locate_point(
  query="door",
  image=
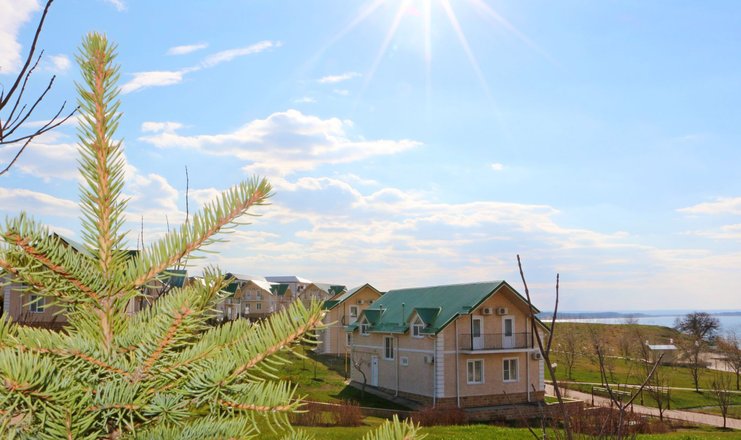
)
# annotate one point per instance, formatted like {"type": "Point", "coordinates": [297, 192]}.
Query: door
{"type": "Point", "coordinates": [508, 332]}
{"type": "Point", "coordinates": [374, 371]}
{"type": "Point", "coordinates": [477, 333]}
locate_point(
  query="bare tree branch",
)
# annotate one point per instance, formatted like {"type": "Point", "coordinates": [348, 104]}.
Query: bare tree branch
{"type": "Point", "coordinates": [20, 112]}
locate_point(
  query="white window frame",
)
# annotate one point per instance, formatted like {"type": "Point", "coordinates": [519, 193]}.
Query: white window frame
{"type": "Point", "coordinates": [348, 339]}
{"type": "Point", "coordinates": [258, 306]}
{"type": "Point", "coordinates": [417, 328]}
{"type": "Point", "coordinates": [507, 370]}
{"type": "Point", "coordinates": [364, 328]}
{"type": "Point", "coordinates": [354, 308]}
{"type": "Point", "coordinates": [388, 355]}
{"type": "Point", "coordinates": [471, 378]}
{"type": "Point", "coordinates": [404, 361]}
{"type": "Point", "coordinates": [36, 306]}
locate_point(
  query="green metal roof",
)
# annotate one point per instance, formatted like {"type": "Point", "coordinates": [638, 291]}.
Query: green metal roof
{"type": "Point", "coordinates": [279, 289]}
{"type": "Point", "coordinates": [174, 277]}
{"type": "Point", "coordinates": [437, 306]}
{"type": "Point", "coordinates": [329, 304]}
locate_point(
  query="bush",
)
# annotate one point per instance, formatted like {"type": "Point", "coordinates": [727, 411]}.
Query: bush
{"type": "Point", "coordinates": [440, 416]}
{"type": "Point", "coordinates": [327, 414]}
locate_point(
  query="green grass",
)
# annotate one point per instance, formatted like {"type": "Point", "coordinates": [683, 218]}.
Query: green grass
{"type": "Point", "coordinates": [321, 379]}
{"type": "Point", "coordinates": [482, 432]}
{"type": "Point", "coordinates": [680, 399]}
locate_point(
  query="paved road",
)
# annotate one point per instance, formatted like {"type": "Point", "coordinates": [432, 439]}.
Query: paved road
{"type": "Point", "coordinates": [622, 385]}
{"type": "Point", "coordinates": [687, 416]}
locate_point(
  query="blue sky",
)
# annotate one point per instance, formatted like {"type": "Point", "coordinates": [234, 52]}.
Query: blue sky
{"type": "Point", "coordinates": [421, 142]}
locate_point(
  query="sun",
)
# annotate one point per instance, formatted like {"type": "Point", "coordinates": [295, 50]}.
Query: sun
{"type": "Point", "coordinates": [416, 9]}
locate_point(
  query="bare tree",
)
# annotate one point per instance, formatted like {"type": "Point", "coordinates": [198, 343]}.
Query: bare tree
{"type": "Point", "coordinates": [358, 360]}
{"type": "Point", "coordinates": [15, 111]}
{"type": "Point", "coordinates": [568, 347]}
{"type": "Point", "coordinates": [545, 350]}
{"type": "Point", "coordinates": [700, 328]}
{"type": "Point", "coordinates": [657, 387]}
{"type": "Point", "coordinates": [730, 348]}
{"type": "Point", "coordinates": [721, 385]}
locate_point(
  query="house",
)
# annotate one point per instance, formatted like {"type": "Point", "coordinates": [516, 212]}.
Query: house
{"type": "Point", "coordinates": [668, 352]}
{"type": "Point", "coordinates": [253, 297]}
{"type": "Point", "coordinates": [320, 292]}
{"type": "Point", "coordinates": [462, 345]}
{"type": "Point", "coordinates": [170, 279]}
{"type": "Point", "coordinates": [341, 311]}
{"type": "Point", "coordinates": [295, 283]}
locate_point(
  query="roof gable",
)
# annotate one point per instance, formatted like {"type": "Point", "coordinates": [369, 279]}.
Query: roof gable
{"type": "Point", "coordinates": [334, 302]}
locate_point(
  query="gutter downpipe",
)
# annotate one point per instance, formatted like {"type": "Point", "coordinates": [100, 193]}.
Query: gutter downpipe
{"type": "Point", "coordinates": [457, 374]}
{"type": "Point", "coordinates": [396, 358]}
{"type": "Point", "coordinates": [434, 372]}
{"type": "Point", "coordinates": [527, 369]}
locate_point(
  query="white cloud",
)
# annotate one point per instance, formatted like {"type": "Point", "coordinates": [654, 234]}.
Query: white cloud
{"type": "Point", "coordinates": [341, 92]}
{"type": "Point", "coordinates": [13, 15]}
{"type": "Point", "coordinates": [228, 55]}
{"type": "Point", "coordinates": [160, 126]}
{"type": "Point", "coordinates": [18, 199]}
{"type": "Point", "coordinates": [59, 63]}
{"type": "Point", "coordinates": [50, 156]}
{"type": "Point", "coordinates": [304, 100]}
{"type": "Point", "coordinates": [334, 79]}
{"type": "Point", "coordinates": [721, 205]}
{"type": "Point", "coordinates": [285, 142]}
{"type": "Point", "coordinates": [497, 166]}
{"type": "Point", "coordinates": [118, 4]}
{"type": "Point", "coordinates": [159, 78]}
{"type": "Point", "coordinates": [143, 80]}
{"type": "Point", "coordinates": [186, 49]}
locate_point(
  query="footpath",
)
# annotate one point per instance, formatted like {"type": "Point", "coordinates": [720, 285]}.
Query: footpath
{"type": "Point", "coordinates": [687, 416]}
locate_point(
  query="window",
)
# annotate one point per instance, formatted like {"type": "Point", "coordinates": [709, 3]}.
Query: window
{"type": "Point", "coordinates": [510, 370]}
{"type": "Point", "coordinates": [259, 296]}
{"type": "Point", "coordinates": [417, 328]}
{"type": "Point", "coordinates": [37, 304]}
{"type": "Point", "coordinates": [349, 339]}
{"type": "Point", "coordinates": [364, 329]}
{"type": "Point", "coordinates": [353, 311]}
{"type": "Point", "coordinates": [258, 306]}
{"type": "Point", "coordinates": [475, 371]}
{"type": "Point", "coordinates": [388, 348]}
{"type": "Point", "coordinates": [404, 361]}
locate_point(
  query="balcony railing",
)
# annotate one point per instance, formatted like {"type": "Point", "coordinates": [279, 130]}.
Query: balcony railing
{"type": "Point", "coordinates": [494, 341]}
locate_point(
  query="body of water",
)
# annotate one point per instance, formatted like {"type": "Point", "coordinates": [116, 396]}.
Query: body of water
{"type": "Point", "coordinates": [727, 322]}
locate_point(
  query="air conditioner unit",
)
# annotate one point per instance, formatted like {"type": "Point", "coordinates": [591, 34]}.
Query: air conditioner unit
{"type": "Point", "coordinates": [502, 311]}
{"type": "Point", "coordinates": [487, 311]}
{"type": "Point", "coordinates": [429, 359]}
{"type": "Point", "coordinates": [537, 355]}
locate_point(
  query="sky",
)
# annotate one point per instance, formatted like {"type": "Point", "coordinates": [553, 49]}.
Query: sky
{"type": "Point", "coordinates": [418, 142]}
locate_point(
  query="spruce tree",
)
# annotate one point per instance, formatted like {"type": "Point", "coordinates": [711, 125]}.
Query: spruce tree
{"type": "Point", "coordinates": [164, 372]}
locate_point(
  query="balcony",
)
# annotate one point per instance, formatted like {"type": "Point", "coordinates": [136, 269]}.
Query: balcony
{"type": "Point", "coordinates": [494, 342]}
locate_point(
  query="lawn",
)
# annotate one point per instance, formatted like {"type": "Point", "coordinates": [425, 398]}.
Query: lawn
{"type": "Point", "coordinates": [476, 432]}
{"type": "Point", "coordinates": [321, 379]}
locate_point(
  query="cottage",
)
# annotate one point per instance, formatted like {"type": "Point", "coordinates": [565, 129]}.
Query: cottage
{"type": "Point", "coordinates": [320, 292]}
{"type": "Point", "coordinates": [253, 297]}
{"type": "Point", "coordinates": [462, 345]}
{"type": "Point", "coordinates": [344, 310]}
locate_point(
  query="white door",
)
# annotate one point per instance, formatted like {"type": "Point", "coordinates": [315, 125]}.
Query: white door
{"type": "Point", "coordinates": [508, 332]}
{"type": "Point", "coordinates": [477, 333]}
{"type": "Point", "coordinates": [374, 371]}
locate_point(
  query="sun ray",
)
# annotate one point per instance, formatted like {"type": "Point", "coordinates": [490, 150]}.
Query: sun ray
{"type": "Point", "coordinates": [428, 51]}
{"type": "Point", "coordinates": [464, 43]}
{"type": "Point", "coordinates": [360, 17]}
{"type": "Point", "coordinates": [492, 15]}
{"type": "Point", "coordinates": [386, 42]}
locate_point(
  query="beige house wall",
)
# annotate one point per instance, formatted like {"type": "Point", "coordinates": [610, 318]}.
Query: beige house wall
{"type": "Point", "coordinates": [334, 337]}
{"type": "Point", "coordinates": [16, 307]}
